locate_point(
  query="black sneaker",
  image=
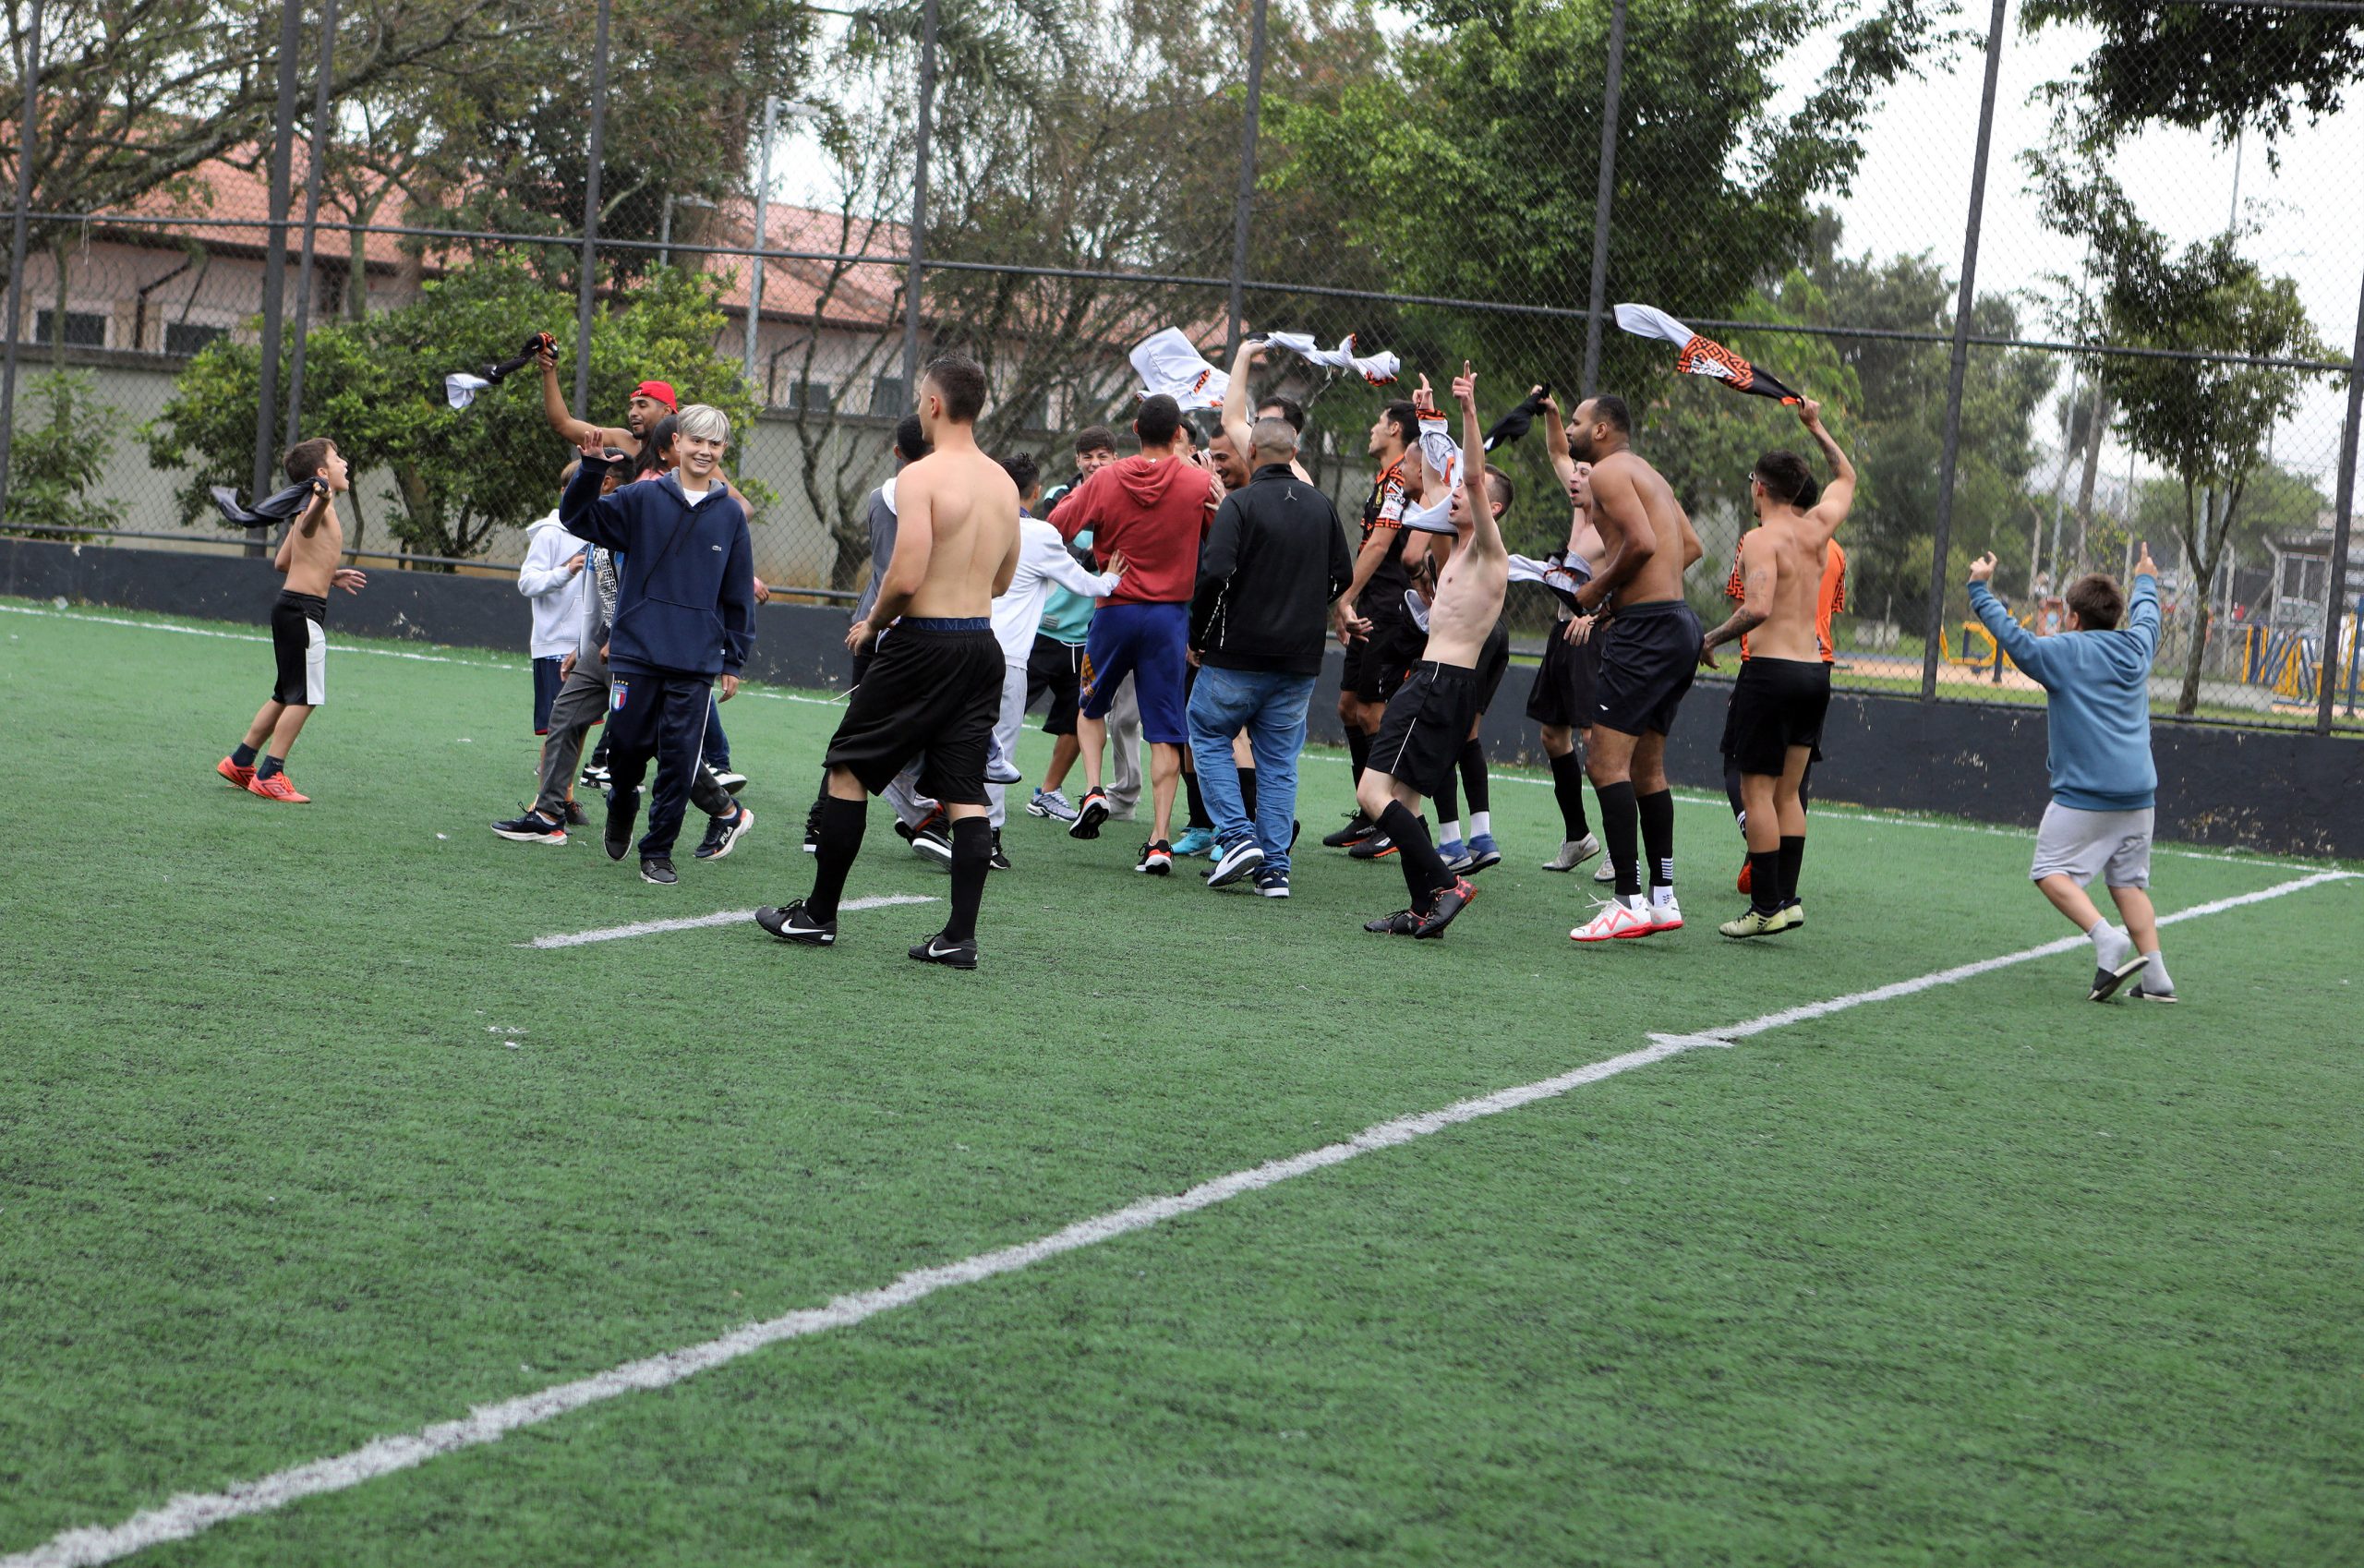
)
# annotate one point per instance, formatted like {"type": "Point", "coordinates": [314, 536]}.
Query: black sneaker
{"type": "Point", "coordinates": [1157, 859]}
{"type": "Point", "coordinates": [1273, 883]}
{"type": "Point", "coordinates": [1403, 922]}
{"type": "Point", "coordinates": [813, 829]}
{"type": "Point", "coordinates": [951, 955]}
{"type": "Point", "coordinates": [723, 833]}
{"type": "Point", "coordinates": [623, 810]}
{"type": "Point", "coordinates": [575, 816]}
{"type": "Point", "coordinates": [1449, 902]}
{"type": "Point", "coordinates": [658, 869]}
{"type": "Point", "coordinates": [932, 843]}
{"type": "Point", "coordinates": [1237, 860]}
{"type": "Point", "coordinates": [733, 782]}
{"type": "Point", "coordinates": [790, 924]}
{"type": "Point", "coordinates": [1358, 828]}
{"type": "Point", "coordinates": [1088, 816]}
{"type": "Point", "coordinates": [531, 828]}
{"type": "Point", "coordinates": [997, 860]}
{"type": "Point", "coordinates": [1377, 847]}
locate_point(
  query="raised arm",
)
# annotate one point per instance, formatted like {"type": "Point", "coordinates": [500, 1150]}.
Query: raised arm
{"type": "Point", "coordinates": [1234, 396]}
{"type": "Point", "coordinates": [577, 432]}
{"type": "Point", "coordinates": [1487, 536]}
{"type": "Point", "coordinates": [315, 509]}
{"type": "Point", "coordinates": [2025, 648]}
{"type": "Point", "coordinates": [1840, 493]}
{"type": "Point", "coordinates": [1555, 442]}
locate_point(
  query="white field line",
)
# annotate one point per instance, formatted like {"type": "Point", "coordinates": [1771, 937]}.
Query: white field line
{"type": "Point", "coordinates": [338, 647]}
{"type": "Point", "coordinates": [694, 922]}
{"type": "Point", "coordinates": [190, 1513]}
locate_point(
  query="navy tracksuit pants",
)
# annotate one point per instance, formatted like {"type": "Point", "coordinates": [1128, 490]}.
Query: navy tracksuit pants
{"type": "Point", "coordinates": [660, 713]}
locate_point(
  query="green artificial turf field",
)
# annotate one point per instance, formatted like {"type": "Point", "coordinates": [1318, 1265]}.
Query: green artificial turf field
{"type": "Point", "coordinates": [303, 1145]}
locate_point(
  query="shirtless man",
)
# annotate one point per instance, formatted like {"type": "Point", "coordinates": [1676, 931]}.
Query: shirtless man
{"type": "Point", "coordinates": [934, 689]}
{"type": "Point", "coordinates": [1784, 687]}
{"type": "Point", "coordinates": [1235, 424]}
{"type": "Point", "coordinates": [1420, 735]}
{"type": "Point", "coordinates": [307, 557]}
{"type": "Point", "coordinates": [1647, 658]}
{"type": "Point", "coordinates": [1561, 700]}
{"type": "Point", "coordinates": [650, 402]}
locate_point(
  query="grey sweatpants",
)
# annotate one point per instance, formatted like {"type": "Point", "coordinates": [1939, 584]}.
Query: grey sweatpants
{"type": "Point", "coordinates": [1125, 752]}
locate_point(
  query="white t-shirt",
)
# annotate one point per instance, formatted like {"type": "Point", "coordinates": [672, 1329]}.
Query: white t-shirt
{"type": "Point", "coordinates": [1043, 560]}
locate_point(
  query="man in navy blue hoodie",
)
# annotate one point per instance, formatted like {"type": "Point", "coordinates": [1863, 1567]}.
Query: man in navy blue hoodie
{"type": "Point", "coordinates": [685, 618]}
{"type": "Point", "coordinates": [2097, 677]}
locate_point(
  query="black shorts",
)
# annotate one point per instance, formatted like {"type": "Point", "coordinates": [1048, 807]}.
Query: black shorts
{"type": "Point", "coordinates": [1376, 665]}
{"type": "Point", "coordinates": [1056, 668]}
{"type": "Point", "coordinates": [1427, 723]}
{"type": "Point", "coordinates": [1564, 683]}
{"type": "Point", "coordinates": [300, 641]}
{"type": "Point", "coordinates": [934, 691]}
{"type": "Point", "coordinates": [1647, 661]}
{"type": "Point", "coordinates": [1493, 663]}
{"type": "Point", "coordinates": [1777, 703]}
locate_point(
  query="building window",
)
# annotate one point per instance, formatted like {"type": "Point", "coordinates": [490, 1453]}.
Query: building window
{"type": "Point", "coordinates": [84, 329]}
{"type": "Point", "coordinates": [188, 337]}
{"type": "Point", "coordinates": [818, 396]}
{"type": "Point", "coordinates": [887, 398]}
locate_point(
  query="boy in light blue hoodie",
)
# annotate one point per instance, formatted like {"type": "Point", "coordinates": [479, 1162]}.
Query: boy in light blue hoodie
{"type": "Point", "coordinates": [2097, 677]}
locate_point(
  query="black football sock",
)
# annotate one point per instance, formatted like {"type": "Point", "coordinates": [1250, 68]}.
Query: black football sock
{"type": "Point", "coordinates": [1732, 792]}
{"type": "Point", "coordinates": [1794, 856]}
{"type": "Point", "coordinates": [1247, 793]}
{"type": "Point", "coordinates": [1764, 878]}
{"type": "Point", "coordinates": [1475, 786]}
{"type": "Point", "coordinates": [1448, 807]}
{"type": "Point", "coordinates": [1358, 751]}
{"type": "Point", "coordinates": [1617, 824]}
{"type": "Point", "coordinates": [242, 756]}
{"type": "Point", "coordinates": [1423, 870]}
{"type": "Point", "coordinates": [1568, 784]}
{"type": "Point", "coordinates": [973, 853]}
{"type": "Point", "coordinates": [833, 848]}
{"type": "Point", "coordinates": [269, 766]}
{"type": "Point", "coordinates": [1198, 817]}
{"type": "Point", "coordinates": [1657, 813]}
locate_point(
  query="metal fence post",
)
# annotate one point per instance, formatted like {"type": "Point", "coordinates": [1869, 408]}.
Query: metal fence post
{"type": "Point", "coordinates": [318, 156]}
{"type": "Point", "coordinates": [763, 239]}
{"type": "Point", "coordinates": [274, 266]}
{"type": "Point", "coordinates": [1239, 214]}
{"type": "Point", "coordinates": [2343, 514]}
{"type": "Point", "coordinates": [1603, 200]}
{"type": "Point", "coordinates": [27, 142]}
{"type": "Point", "coordinates": [911, 272]}
{"type": "Point", "coordinates": [1951, 452]}
{"type": "Point", "coordinates": [589, 272]}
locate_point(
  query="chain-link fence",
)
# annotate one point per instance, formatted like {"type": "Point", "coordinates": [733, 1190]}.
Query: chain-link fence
{"type": "Point", "coordinates": [2067, 278]}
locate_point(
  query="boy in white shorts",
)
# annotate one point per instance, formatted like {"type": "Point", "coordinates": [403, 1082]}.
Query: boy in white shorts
{"type": "Point", "coordinates": [2096, 678]}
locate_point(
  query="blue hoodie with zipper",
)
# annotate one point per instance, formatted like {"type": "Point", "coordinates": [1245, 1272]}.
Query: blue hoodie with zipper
{"type": "Point", "coordinates": [686, 600]}
{"type": "Point", "coordinates": [2097, 725]}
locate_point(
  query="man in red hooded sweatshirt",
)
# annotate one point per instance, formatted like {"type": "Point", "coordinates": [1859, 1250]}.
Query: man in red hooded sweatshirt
{"type": "Point", "coordinates": [1153, 510]}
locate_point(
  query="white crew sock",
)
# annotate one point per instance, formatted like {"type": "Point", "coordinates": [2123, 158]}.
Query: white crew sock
{"type": "Point", "coordinates": [2154, 978]}
{"type": "Point", "coordinates": [1481, 825]}
{"type": "Point", "coordinates": [1449, 834]}
{"type": "Point", "coordinates": [2111, 945]}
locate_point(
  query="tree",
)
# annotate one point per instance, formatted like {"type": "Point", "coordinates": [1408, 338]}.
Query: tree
{"type": "Point", "coordinates": [376, 388]}
{"type": "Point", "coordinates": [2206, 421]}
{"type": "Point", "coordinates": [52, 468]}
{"type": "Point", "coordinates": [2220, 68]}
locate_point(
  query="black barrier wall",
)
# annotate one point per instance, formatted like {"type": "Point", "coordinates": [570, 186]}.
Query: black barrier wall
{"type": "Point", "coordinates": [2272, 790]}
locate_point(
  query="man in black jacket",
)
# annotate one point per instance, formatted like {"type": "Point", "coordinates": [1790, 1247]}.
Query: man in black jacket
{"type": "Point", "coordinates": [1274, 559]}
{"type": "Point", "coordinates": [685, 620]}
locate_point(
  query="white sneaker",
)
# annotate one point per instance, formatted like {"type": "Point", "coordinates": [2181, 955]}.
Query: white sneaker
{"type": "Point", "coordinates": [1605, 873]}
{"type": "Point", "coordinates": [1667, 916]}
{"type": "Point", "coordinates": [1573, 852]}
{"type": "Point", "coordinates": [1616, 919]}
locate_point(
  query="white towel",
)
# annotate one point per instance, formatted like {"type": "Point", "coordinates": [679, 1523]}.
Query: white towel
{"type": "Point", "coordinates": [1168, 363]}
{"type": "Point", "coordinates": [459, 389]}
{"type": "Point", "coordinates": [1377, 368]}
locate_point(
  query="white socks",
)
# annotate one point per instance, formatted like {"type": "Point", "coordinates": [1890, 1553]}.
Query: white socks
{"type": "Point", "coordinates": [1481, 825]}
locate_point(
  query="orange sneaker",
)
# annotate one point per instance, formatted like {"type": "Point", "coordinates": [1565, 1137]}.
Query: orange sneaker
{"type": "Point", "coordinates": [239, 777]}
{"type": "Point", "coordinates": [275, 787]}
{"type": "Point", "coordinates": [1743, 874]}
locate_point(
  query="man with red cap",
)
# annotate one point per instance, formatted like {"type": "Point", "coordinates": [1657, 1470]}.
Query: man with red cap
{"type": "Point", "coordinates": [650, 402]}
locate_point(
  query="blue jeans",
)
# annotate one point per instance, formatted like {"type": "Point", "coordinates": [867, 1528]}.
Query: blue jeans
{"type": "Point", "coordinates": [1270, 708]}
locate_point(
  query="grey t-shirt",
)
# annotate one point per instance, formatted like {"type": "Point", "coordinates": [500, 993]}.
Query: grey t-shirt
{"type": "Point", "coordinates": [880, 516]}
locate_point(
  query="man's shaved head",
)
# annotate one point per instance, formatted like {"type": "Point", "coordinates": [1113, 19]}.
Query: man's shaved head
{"type": "Point", "coordinates": [1274, 441]}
